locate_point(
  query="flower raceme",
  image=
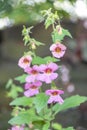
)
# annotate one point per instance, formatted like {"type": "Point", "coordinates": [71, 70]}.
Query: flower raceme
{"type": "Point", "coordinates": [40, 70]}
{"type": "Point", "coordinates": [25, 61]}
{"type": "Point", "coordinates": [32, 88]}
{"type": "Point", "coordinates": [45, 73]}
{"type": "Point", "coordinates": [54, 96]}
{"type": "Point", "coordinates": [58, 50]}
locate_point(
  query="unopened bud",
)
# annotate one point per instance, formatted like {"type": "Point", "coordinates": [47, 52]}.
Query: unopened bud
{"type": "Point", "coordinates": [33, 46]}
{"type": "Point", "coordinates": [31, 125]}
{"type": "Point", "coordinates": [59, 29]}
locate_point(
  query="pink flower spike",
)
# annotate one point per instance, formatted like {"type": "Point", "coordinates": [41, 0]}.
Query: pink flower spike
{"type": "Point", "coordinates": [58, 50]}
{"type": "Point", "coordinates": [48, 74]}
{"type": "Point", "coordinates": [33, 89]}
{"type": "Point", "coordinates": [54, 96]}
{"type": "Point", "coordinates": [34, 74]}
{"type": "Point", "coordinates": [25, 61]}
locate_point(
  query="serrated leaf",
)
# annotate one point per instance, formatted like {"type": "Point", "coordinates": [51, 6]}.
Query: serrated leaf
{"type": "Point", "coordinates": [40, 101]}
{"type": "Point", "coordinates": [38, 60]}
{"type": "Point", "coordinates": [66, 33]}
{"type": "Point", "coordinates": [22, 101]}
{"type": "Point", "coordinates": [36, 42]}
{"type": "Point", "coordinates": [24, 118]}
{"type": "Point", "coordinates": [14, 91]}
{"type": "Point", "coordinates": [39, 43]}
{"type": "Point", "coordinates": [70, 102]}
{"type": "Point", "coordinates": [48, 22]}
{"type": "Point", "coordinates": [59, 37]}
{"type": "Point", "coordinates": [21, 78]}
{"type": "Point", "coordinates": [50, 59]}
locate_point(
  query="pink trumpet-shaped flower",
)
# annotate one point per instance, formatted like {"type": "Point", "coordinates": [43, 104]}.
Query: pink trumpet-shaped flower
{"type": "Point", "coordinates": [16, 127]}
{"type": "Point", "coordinates": [58, 50]}
{"type": "Point", "coordinates": [32, 89]}
{"type": "Point", "coordinates": [55, 96]}
{"type": "Point", "coordinates": [25, 61]}
{"type": "Point", "coordinates": [33, 73]}
{"type": "Point", "coordinates": [48, 74]}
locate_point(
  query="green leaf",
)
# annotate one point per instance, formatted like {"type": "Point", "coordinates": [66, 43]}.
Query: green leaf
{"type": "Point", "coordinates": [9, 83]}
{"type": "Point", "coordinates": [40, 101]}
{"type": "Point", "coordinates": [48, 22]}
{"type": "Point", "coordinates": [21, 78]}
{"type": "Point", "coordinates": [39, 60]}
{"type": "Point", "coordinates": [70, 102]}
{"type": "Point", "coordinates": [14, 91]}
{"type": "Point", "coordinates": [56, 126]}
{"type": "Point", "coordinates": [66, 33]}
{"type": "Point", "coordinates": [24, 118]}
{"type": "Point", "coordinates": [50, 59]}
{"type": "Point", "coordinates": [59, 37]}
{"type": "Point", "coordinates": [36, 42]}
{"type": "Point", "coordinates": [69, 128]}
{"type": "Point", "coordinates": [38, 124]}
{"type": "Point", "coordinates": [56, 37]}
{"type": "Point", "coordinates": [46, 126]}
{"type": "Point", "coordinates": [22, 101]}
{"type": "Point", "coordinates": [39, 43]}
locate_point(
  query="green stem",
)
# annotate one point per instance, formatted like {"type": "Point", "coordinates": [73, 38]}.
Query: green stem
{"type": "Point", "coordinates": [53, 26]}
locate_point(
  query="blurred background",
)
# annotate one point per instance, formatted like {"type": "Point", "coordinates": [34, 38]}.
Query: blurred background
{"type": "Point", "coordinates": [73, 16]}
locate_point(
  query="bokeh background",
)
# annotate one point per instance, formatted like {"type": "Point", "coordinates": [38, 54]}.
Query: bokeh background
{"type": "Point", "coordinates": [73, 16]}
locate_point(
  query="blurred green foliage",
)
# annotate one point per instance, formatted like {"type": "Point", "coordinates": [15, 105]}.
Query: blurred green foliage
{"type": "Point", "coordinates": [22, 11]}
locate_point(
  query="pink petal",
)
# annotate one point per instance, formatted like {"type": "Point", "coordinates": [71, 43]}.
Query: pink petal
{"type": "Point", "coordinates": [42, 67]}
{"type": "Point", "coordinates": [27, 85]}
{"type": "Point", "coordinates": [30, 92]}
{"type": "Point", "coordinates": [59, 99]}
{"type": "Point", "coordinates": [58, 55]}
{"type": "Point", "coordinates": [28, 70]}
{"type": "Point", "coordinates": [36, 67]}
{"type": "Point", "coordinates": [53, 76]}
{"type": "Point", "coordinates": [63, 47]}
{"type": "Point", "coordinates": [37, 83]}
{"type": "Point", "coordinates": [30, 78]}
{"type": "Point", "coordinates": [53, 66]}
{"type": "Point", "coordinates": [47, 79]}
{"type": "Point", "coordinates": [52, 47]}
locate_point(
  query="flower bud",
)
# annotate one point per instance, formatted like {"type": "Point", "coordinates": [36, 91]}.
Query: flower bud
{"type": "Point", "coordinates": [59, 29]}
{"type": "Point", "coordinates": [33, 46]}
